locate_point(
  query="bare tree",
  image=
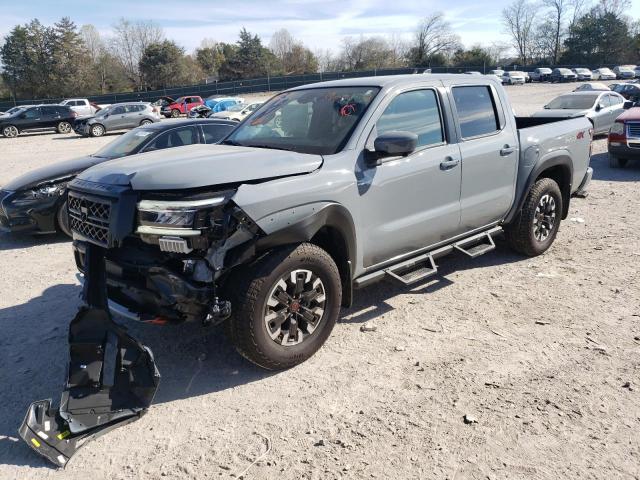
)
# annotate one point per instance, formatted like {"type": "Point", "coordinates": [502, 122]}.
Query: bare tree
{"type": "Point", "coordinates": [92, 41]}
{"type": "Point", "coordinates": [557, 18]}
{"type": "Point", "coordinates": [615, 7]}
{"type": "Point", "coordinates": [434, 36]}
{"type": "Point", "coordinates": [497, 51]}
{"type": "Point", "coordinates": [282, 43]}
{"type": "Point", "coordinates": [518, 19]}
{"type": "Point", "coordinates": [130, 41]}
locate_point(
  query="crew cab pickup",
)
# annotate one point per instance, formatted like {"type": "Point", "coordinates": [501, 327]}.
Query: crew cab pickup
{"type": "Point", "coordinates": [82, 106]}
{"type": "Point", "coordinates": [325, 189]}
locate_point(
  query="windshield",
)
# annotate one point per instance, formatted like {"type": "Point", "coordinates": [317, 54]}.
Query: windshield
{"type": "Point", "coordinates": [572, 102]}
{"type": "Point", "coordinates": [582, 70]}
{"type": "Point", "coordinates": [124, 145]}
{"type": "Point", "coordinates": [604, 70]}
{"type": "Point", "coordinates": [317, 121]}
{"type": "Point", "coordinates": [236, 108]}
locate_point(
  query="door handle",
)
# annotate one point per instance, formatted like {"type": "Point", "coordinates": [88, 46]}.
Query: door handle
{"type": "Point", "coordinates": [449, 163]}
{"type": "Point", "coordinates": [507, 150]}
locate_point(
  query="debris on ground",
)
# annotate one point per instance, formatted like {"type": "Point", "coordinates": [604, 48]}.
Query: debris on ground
{"type": "Point", "coordinates": [368, 327]}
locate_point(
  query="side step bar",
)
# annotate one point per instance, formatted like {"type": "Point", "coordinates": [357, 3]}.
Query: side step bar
{"type": "Point", "coordinates": [422, 265]}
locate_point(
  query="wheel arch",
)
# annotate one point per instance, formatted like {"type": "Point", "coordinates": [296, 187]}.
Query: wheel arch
{"type": "Point", "coordinates": [330, 227]}
{"type": "Point", "coordinates": [558, 168]}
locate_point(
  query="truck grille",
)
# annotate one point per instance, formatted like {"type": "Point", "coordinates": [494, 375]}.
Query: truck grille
{"type": "Point", "coordinates": [90, 218]}
{"type": "Point", "coordinates": [633, 130]}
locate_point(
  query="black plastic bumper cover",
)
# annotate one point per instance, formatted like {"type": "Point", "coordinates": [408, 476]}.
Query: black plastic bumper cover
{"type": "Point", "coordinates": [112, 379]}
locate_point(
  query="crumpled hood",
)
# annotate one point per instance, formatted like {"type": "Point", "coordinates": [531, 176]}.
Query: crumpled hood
{"type": "Point", "coordinates": [561, 113]}
{"type": "Point", "coordinates": [196, 166]}
{"type": "Point", "coordinates": [52, 172]}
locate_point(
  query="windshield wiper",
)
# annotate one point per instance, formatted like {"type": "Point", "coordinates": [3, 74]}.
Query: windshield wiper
{"type": "Point", "coordinates": [270, 147]}
{"type": "Point", "coordinates": [231, 142]}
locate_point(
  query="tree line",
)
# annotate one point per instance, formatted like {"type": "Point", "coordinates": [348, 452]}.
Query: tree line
{"type": "Point", "coordinates": [61, 60]}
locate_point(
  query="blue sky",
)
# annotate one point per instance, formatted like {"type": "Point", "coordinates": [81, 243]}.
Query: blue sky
{"type": "Point", "coordinates": [320, 24]}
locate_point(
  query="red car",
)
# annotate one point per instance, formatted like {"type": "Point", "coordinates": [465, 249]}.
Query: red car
{"type": "Point", "coordinates": [181, 106]}
{"type": "Point", "coordinates": [624, 138]}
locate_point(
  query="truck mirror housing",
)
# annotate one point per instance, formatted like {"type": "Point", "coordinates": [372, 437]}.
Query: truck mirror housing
{"type": "Point", "coordinates": [392, 144]}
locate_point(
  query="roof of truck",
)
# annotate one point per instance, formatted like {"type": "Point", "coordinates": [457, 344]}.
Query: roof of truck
{"type": "Point", "coordinates": [399, 80]}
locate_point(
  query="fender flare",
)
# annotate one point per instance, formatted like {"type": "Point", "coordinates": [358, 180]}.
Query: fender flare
{"type": "Point", "coordinates": [556, 159]}
{"type": "Point", "coordinates": [303, 229]}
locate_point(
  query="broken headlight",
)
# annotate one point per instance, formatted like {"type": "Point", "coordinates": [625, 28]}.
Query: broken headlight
{"type": "Point", "coordinates": [27, 197]}
{"type": "Point", "coordinates": [178, 217]}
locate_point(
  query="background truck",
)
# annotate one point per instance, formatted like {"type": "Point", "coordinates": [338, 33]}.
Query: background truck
{"type": "Point", "coordinates": [325, 189]}
{"type": "Point", "coordinates": [82, 106]}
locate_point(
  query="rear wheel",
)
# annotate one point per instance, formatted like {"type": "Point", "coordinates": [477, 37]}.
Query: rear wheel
{"type": "Point", "coordinates": [10, 131]}
{"type": "Point", "coordinates": [175, 113]}
{"type": "Point", "coordinates": [97, 130]}
{"type": "Point", "coordinates": [63, 127]}
{"type": "Point", "coordinates": [145, 122]}
{"type": "Point", "coordinates": [285, 306]}
{"type": "Point", "coordinates": [536, 226]}
{"type": "Point", "coordinates": [617, 162]}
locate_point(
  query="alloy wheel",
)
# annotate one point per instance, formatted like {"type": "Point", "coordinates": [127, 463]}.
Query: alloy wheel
{"type": "Point", "coordinates": [295, 307]}
{"type": "Point", "coordinates": [64, 127]}
{"type": "Point", "coordinates": [10, 131]}
{"type": "Point", "coordinates": [545, 218]}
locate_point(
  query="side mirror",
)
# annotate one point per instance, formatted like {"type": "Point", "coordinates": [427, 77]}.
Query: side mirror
{"type": "Point", "coordinates": [627, 105]}
{"type": "Point", "coordinates": [393, 144]}
{"type": "Point", "coordinates": [599, 107]}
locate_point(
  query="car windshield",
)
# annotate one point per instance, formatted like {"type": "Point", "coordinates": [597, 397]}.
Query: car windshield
{"type": "Point", "coordinates": [582, 70]}
{"type": "Point", "coordinates": [236, 108]}
{"type": "Point", "coordinates": [125, 144]}
{"type": "Point", "coordinates": [625, 69]}
{"type": "Point", "coordinates": [572, 102]}
{"type": "Point", "coordinates": [317, 121]}
{"type": "Point", "coordinates": [604, 70]}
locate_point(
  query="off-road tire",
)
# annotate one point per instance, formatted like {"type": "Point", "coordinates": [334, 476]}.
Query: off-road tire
{"type": "Point", "coordinates": [62, 220]}
{"type": "Point", "coordinates": [64, 127]}
{"type": "Point", "coordinates": [175, 113]}
{"type": "Point", "coordinates": [617, 162]}
{"type": "Point", "coordinates": [248, 290]}
{"type": "Point", "coordinates": [520, 234]}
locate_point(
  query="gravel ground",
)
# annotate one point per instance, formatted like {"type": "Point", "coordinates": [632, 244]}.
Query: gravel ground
{"type": "Point", "coordinates": [540, 354]}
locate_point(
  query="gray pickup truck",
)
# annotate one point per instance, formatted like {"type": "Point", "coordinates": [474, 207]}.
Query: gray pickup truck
{"type": "Point", "coordinates": [325, 189]}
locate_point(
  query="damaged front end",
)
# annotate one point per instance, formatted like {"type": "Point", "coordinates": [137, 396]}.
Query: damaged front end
{"type": "Point", "coordinates": [160, 257]}
{"type": "Point", "coordinates": [111, 378]}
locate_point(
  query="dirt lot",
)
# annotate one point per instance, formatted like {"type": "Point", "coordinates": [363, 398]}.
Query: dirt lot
{"type": "Point", "coordinates": [544, 353]}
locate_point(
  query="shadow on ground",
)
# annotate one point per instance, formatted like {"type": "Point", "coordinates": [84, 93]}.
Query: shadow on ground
{"type": "Point", "coordinates": [14, 241]}
{"type": "Point", "coordinates": [192, 360]}
{"type": "Point", "coordinates": [602, 170]}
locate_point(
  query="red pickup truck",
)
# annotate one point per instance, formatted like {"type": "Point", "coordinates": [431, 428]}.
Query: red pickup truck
{"type": "Point", "coordinates": [624, 138]}
{"type": "Point", "coordinates": [181, 106]}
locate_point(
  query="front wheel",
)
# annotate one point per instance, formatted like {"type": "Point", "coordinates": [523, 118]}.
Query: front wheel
{"type": "Point", "coordinates": [175, 113]}
{"type": "Point", "coordinates": [10, 131]}
{"type": "Point", "coordinates": [63, 127]}
{"type": "Point", "coordinates": [97, 130]}
{"type": "Point", "coordinates": [62, 220]}
{"type": "Point", "coordinates": [536, 226]}
{"type": "Point", "coordinates": [285, 306]}
{"type": "Point", "coordinates": [145, 122]}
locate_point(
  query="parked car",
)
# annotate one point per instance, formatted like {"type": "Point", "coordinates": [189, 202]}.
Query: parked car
{"type": "Point", "coordinates": [238, 112]}
{"type": "Point", "coordinates": [219, 104]}
{"type": "Point", "coordinates": [201, 111]}
{"type": "Point", "coordinates": [119, 116]}
{"type": "Point", "coordinates": [603, 73]}
{"type": "Point", "coordinates": [13, 110]}
{"type": "Point", "coordinates": [181, 106]}
{"type": "Point", "coordinates": [163, 102]}
{"type": "Point", "coordinates": [40, 117]}
{"type": "Point", "coordinates": [563, 75]}
{"type": "Point", "coordinates": [36, 202]}
{"type": "Point", "coordinates": [625, 72]}
{"type": "Point", "coordinates": [541, 74]}
{"type": "Point", "coordinates": [601, 108]}
{"type": "Point", "coordinates": [496, 73]}
{"type": "Point", "coordinates": [630, 91]}
{"type": "Point", "coordinates": [513, 78]}
{"type": "Point", "coordinates": [624, 139]}
{"type": "Point", "coordinates": [281, 224]}
{"type": "Point", "coordinates": [472, 72]}
{"type": "Point", "coordinates": [583, 74]}
{"type": "Point", "coordinates": [636, 71]}
{"type": "Point", "coordinates": [592, 86]}
{"type": "Point", "coordinates": [82, 106]}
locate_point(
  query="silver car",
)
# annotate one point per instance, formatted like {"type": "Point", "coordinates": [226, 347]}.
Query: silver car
{"type": "Point", "coordinates": [119, 116]}
{"type": "Point", "coordinates": [602, 108]}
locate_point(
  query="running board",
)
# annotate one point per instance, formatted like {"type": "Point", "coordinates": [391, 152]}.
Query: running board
{"type": "Point", "coordinates": [111, 378]}
{"type": "Point", "coordinates": [476, 249]}
{"type": "Point", "coordinates": [414, 270]}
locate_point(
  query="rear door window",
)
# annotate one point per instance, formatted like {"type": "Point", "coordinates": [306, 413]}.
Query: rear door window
{"type": "Point", "coordinates": [177, 137]}
{"type": "Point", "coordinates": [213, 133]}
{"type": "Point", "coordinates": [476, 110]}
{"type": "Point", "coordinates": [416, 112]}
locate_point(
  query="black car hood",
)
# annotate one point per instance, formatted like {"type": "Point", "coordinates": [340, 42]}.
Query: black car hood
{"type": "Point", "coordinates": [52, 172]}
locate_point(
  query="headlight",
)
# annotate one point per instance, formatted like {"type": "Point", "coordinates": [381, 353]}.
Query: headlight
{"type": "Point", "coordinates": [183, 218]}
{"type": "Point", "coordinates": [41, 192]}
{"type": "Point", "coordinates": [617, 128]}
